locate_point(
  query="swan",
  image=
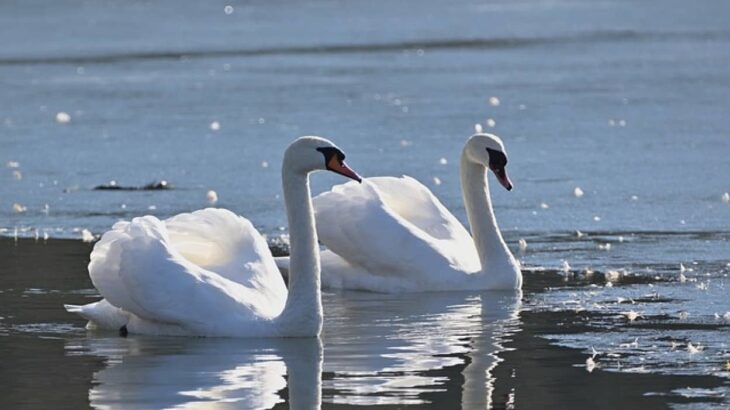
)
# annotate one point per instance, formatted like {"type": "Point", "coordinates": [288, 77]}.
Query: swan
{"type": "Point", "coordinates": [398, 237]}
{"type": "Point", "coordinates": [210, 272]}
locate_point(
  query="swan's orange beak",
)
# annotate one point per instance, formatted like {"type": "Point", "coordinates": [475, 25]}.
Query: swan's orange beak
{"type": "Point", "coordinates": [335, 165]}
{"type": "Point", "coordinates": [502, 177]}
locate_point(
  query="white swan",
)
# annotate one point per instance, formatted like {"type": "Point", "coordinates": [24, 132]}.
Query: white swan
{"type": "Point", "coordinates": [210, 273]}
{"type": "Point", "coordinates": [393, 235]}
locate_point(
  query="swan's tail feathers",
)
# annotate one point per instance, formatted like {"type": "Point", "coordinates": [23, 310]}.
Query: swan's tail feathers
{"type": "Point", "coordinates": [73, 308]}
{"type": "Point", "coordinates": [101, 315]}
{"type": "Point", "coordinates": [282, 262]}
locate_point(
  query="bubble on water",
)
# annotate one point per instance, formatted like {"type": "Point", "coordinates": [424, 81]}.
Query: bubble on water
{"type": "Point", "coordinates": [544, 205]}
{"type": "Point", "coordinates": [17, 174]}
{"type": "Point", "coordinates": [726, 197]}
{"type": "Point", "coordinates": [437, 180]}
{"type": "Point", "coordinates": [692, 349]}
{"type": "Point", "coordinates": [494, 101]}
{"type": "Point", "coordinates": [613, 275]}
{"type": "Point", "coordinates": [590, 365]}
{"type": "Point", "coordinates": [522, 243]}
{"type": "Point", "coordinates": [622, 123]}
{"type": "Point", "coordinates": [522, 107]}
{"type": "Point", "coordinates": [12, 164]}
{"type": "Point", "coordinates": [491, 123]}
{"type": "Point", "coordinates": [578, 192]}
{"type": "Point", "coordinates": [478, 128]}
{"type": "Point", "coordinates": [228, 10]}
{"type": "Point", "coordinates": [262, 120]}
{"type": "Point", "coordinates": [443, 161]}
{"type": "Point", "coordinates": [264, 164]}
{"type": "Point", "coordinates": [631, 315]}
{"type": "Point", "coordinates": [19, 208]}
{"type": "Point", "coordinates": [212, 197]}
{"type": "Point", "coordinates": [63, 118]}
{"type": "Point", "coordinates": [683, 315]}
{"type": "Point", "coordinates": [215, 126]}
{"type": "Point", "coordinates": [152, 207]}
{"type": "Point", "coordinates": [405, 143]}
{"type": "Point", "coordinates": [404, 108]}
{"type": "Point", "coordinates": [80, 70]}
{"type": "Point", "coordinates": [596, 218]}
{"type": "Point", "coordinates": [87, 236]}
{"type": "Point", "coordinates": [611, 122]}
{"type": "Point", "coordinates": [634, 198]}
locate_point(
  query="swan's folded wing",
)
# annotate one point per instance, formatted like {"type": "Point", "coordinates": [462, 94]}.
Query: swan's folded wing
{"type": "Point", "coordinates": [136, 268]}
{"type": "Point", "coordinates": [225, 243]}
{"type": "Point", "coordinates": [392, 226]}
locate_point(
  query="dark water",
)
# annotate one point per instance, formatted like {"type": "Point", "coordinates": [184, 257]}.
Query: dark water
{"type": "Point", "coordinates": [626, 100]}
{"type": "Point", "coordinates": [437, 350]}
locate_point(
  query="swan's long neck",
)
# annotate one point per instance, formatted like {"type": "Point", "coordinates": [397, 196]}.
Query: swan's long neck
{"type": "Point", "coordinates": [487, 237]}
{"type": "Point", "coordinates": [302, 313]}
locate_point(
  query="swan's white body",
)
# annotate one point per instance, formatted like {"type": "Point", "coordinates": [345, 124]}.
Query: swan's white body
{"type": "Point", "coordinates": [393, 235]}
{"type": "Point", "coordinates": [210, 273]}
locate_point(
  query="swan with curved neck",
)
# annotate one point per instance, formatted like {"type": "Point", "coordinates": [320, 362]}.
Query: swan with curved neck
{"type": "Point", "coordinates": [393, 235]}
{"type": "Point", "coordinates": [210, 273]}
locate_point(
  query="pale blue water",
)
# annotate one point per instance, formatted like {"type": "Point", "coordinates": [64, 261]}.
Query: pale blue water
{"type": "Point", "coordinates": [626, 100]}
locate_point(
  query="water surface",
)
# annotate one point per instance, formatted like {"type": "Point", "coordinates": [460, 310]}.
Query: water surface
{"type": "Point", "coordinates": [627, 101]}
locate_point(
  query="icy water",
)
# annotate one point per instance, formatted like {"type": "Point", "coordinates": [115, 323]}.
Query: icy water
{"type": "Point", "coordinates": [627, 101]}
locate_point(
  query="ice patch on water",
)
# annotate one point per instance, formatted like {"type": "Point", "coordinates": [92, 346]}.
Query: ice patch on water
{"type": "Point", "coordinates": [670, 329]}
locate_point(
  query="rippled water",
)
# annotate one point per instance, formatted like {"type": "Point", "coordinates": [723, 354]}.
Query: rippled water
{"type": "Point", "coordinates": [626, 101]}
{"type": "Point", "coordinates": [455, 349]}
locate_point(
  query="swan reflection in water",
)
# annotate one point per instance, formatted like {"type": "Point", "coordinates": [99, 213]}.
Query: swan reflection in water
{"type": "Point", "coordinates": [378, 349]}
{"type": "Point", "coordinates": [385, 349]}
{"type": "Point", "coordinates": [146, 372]}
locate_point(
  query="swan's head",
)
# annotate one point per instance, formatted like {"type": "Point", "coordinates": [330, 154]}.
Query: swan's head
{"type": "Point", "coordinates": [307, 154]}
{"type": "Point", "coordinates": [488, 150]}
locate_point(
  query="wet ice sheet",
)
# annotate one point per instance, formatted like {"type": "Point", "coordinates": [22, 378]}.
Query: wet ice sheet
{"type": "Point", "coordinates": [666, 327]}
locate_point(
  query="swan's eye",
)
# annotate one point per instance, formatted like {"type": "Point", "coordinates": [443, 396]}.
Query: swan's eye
{"type": "Point", "coordinates": [331, 153]}
{"type": "Point", "coordinates": [497, 159]}
{"type": "Point", "coordinates": [334, 160]}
